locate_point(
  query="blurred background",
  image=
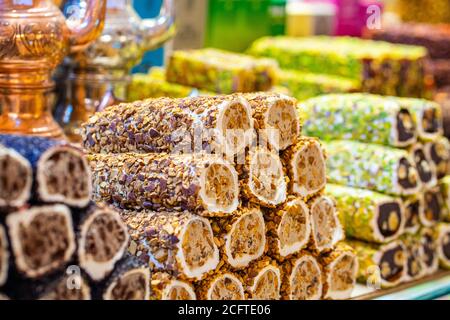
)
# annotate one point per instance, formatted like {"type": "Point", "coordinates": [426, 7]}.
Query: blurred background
{"type": "Point", "coordinates": [235, 24]}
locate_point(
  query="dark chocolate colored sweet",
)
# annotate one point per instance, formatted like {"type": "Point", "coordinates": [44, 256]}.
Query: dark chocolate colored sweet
{"type": "Point", "coordinates": [42, 239]}
{"type": "Point", "coordinates": [102, 240]}
{"type": "Point", "coordinates": [16, 177]}
{"type": "Point", "coordinates": [61, 172]}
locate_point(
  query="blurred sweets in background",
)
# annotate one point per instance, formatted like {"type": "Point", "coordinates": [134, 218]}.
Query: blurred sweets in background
{"type": "Point", "coordinates": [430, 11]}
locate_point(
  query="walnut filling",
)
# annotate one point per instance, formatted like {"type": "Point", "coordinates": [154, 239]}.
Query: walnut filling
{"type": "Point", "coordinates": [220, 187]}
{"type": "Point", "coordinates": [267, 286]}
{"type": "Point", "coordinates": [294, 227]}
{"type": "Point", "coordinates": [226, 287]}
{"type": "Point", "coordinates": [305, 282]}
{"type": "Point", "coordinates": [282, 117]}
{"type": "Point", "coordinates": [104, 238]}
{"type": "Point", "coordinates": [45, 241]}
{"type": "Point", "coordinates": [236, 126]}
{"type": "Point", "coordinates": [389, 219]}
{"type": "Point", "coordinates": [324, 222]}
{"type": "Point", "coordinates": [247, 240]}
{"type": "Point", "coordinates": [343, 274]}
{"type": "Point", "coordinates": [15, 179]}
{"type": "Point", "coordinates": [392, 264]}
{"type": "Point", "coordinates": [65, 175]}
{"type": "Point", "coordinates": [65, 290]}
{"type": "Point", "coordinates": [133, 285]}
{"type": "Point", "coordinates": [423, 166]}
{"type": "Point", "coordinates": [309, 170]}
{"type": "Point", "coordinates": [178, 292]}
{"type": "Point", "coordinates": [407, 175]}
{"type": "Point", "coordinates": [266, 177]}
{"type": "Point", "coordinates": [197, 244]}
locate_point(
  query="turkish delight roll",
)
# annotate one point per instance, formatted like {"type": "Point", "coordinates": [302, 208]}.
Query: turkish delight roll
{"type": "Point", "coordinates": [41, 238]}
{"type": "Point", "coordinates": [380, 265]}
{"type": "Point", "coordinates": [180, 243]}
{"type": "Point", "coordinates": [129, 281]}
{"type": "Point", "coordinates": [326, 230]}
{"type": "Point", "coordinates": [288, 228]}
{"type": "Point", "coordinates": [427, 116]}
{"type": "Point", "coordinates": [16, 178]}
{"type": "Point", "coordinates": [222, 285]}
{"type": "Point", "coordinates": [276, 118]}
{"type": "Point", "coordinates": [241, 237]}
{"type": "Point", "coordinates": [262, 280]}
{"type": "Point", "coordinates": [378, 67]}
{"type": "Point", "coordinates": [144, 86]}
{"type": "Point", "coordinates": [445, 191]}
{"type": "Point", "coordinates": [219, 124]}
{"type": "Point", "coordinates": [201, 183]}
{"type": "Point", "coordinates": [415, 267]}
{"type": "Point", "coordinates": [425, 169]}
{"type": "Point", "coordinates": [339, 116]}
{"type": "Point", "coordinates": [373, 167]}
{"type": "Point", "coordinates": [368, 215]}
{"type": "Point", "coordinates": [221, 71]}
{"type": "Point", "coordinates": [414, 208]}
{"type": "Point", "coordinates": [166, 287]}
{"type": "Point", "coordinates": [438, 152]}
{"type": "Point", "coordinates": [60, 171]}
{"type": "Point", "coordinates": [302, 278]}
{"type": "Point", "coordinates": [430, 250]}
{"type": "Point", "coordinates": [4, 256]}
{"type": "Point", "coordinates": [102, 241]}
{"type": "Point", "coordinates": [262, 178]}
{"type": "Point", "coordinates": [306, 167]}
{"type": "Point", "coordinates": [340, 269]}
{"type": "Point", "coordinates": [443, 245]}
{"type": "Point", "coordinates": [433, 207]}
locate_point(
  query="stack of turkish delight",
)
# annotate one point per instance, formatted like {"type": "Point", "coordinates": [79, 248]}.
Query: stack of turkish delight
{"type": "Point", "coordinates": [369, 66]}
{"type": "Point", "coordinates": [387, 164]}
{"type": "Point", "coordinates": [223, 197]}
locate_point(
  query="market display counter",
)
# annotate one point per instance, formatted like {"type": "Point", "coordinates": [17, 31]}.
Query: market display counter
{"type": "Point", "coordinates": [432, 287]}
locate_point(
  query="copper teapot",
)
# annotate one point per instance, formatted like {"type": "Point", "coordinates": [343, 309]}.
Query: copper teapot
{"type": "Point", "coordinates": [35, 36]}
{"type": "Point", "coordinates": [99, 75]}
